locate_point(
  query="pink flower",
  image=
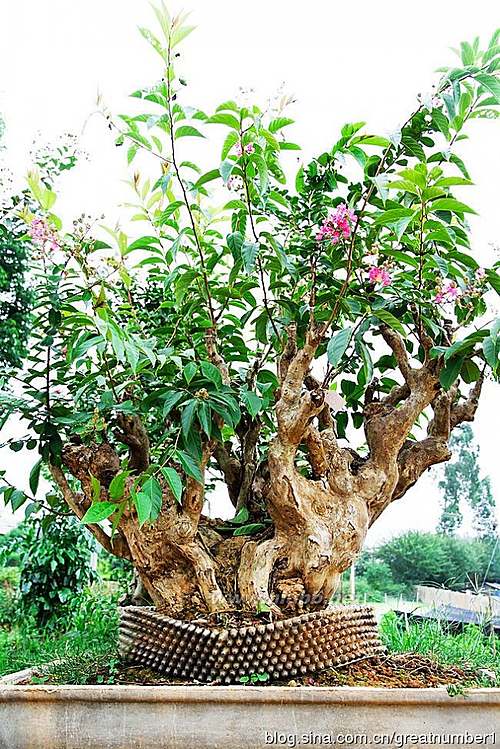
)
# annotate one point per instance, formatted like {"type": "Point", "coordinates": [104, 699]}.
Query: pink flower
{"type": "Point", "coordinates": [338, 225]}
{"type": "Point", "coordinates": [42, 235]}
{"type": "Point", "coordinates": [379, 274]}
{"type": "Point", "coordinates": [480, 274]}
{"type": "Point", "coordinates": [451, 291]}
{"type": "Point", "coordinates": [448, 293]}
{"type": "Point", "coordinates": [240, 149]}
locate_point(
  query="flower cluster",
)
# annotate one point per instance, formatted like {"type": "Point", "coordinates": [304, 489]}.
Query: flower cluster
{"type": "Point", "coordinates": [42, 235]}
{"type": "Point", "coordinates": [338, 225]}
{"type": "Point", "coordinates": [235, 183]}
{"type": "Point", "coordinates": [450, 292]}
{"type": "Point", "coordinates": [447, 293]}
{"type": "Point", "coordinates": [380, 274]}
{"type": "Point", "coordinates": [240, 149]}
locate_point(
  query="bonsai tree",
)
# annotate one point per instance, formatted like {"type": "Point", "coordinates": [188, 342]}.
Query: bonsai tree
{"type": "Point", "coordinates": [252, 329]}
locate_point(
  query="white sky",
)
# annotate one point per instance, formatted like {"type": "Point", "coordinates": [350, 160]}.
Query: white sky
{"type": "Point", "coordinates": [343, 62]}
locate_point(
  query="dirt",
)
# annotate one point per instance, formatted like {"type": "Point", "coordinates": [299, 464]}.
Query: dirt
{"type": "Point", "coordinates": [394, 670]}
{"type": "Point", "coordinates": [221, 619]}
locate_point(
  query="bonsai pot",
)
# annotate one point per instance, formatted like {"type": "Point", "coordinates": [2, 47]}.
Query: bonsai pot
{"type": "Point", "coordinates": [200, 717]}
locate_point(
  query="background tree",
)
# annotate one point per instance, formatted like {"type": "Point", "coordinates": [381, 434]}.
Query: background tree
{"type": "Point", "coordinates": [462, 485]}
{"type": "Point", "coordinates": [15, 296]}
{"type": "Point", "coordinates": [247, 340]}
{"type": "Point", "coordinates": [432, 559]}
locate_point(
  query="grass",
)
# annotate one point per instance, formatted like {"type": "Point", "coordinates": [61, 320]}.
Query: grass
{"type": "Point", "coordinates": [471, 647]}
{"type": "Point", "coordinates": [82, 644]}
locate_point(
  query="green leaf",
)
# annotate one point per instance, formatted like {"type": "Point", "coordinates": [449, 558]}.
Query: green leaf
{"type": "Point", "coordinates": [179, 35]}
{"type": "Point", "coordinates": [189, 465]}
{"type": "Point", "coordinates": [367, 361]}
{"type": "Point", "coordinates": [450, 204]}
{"type": "Point", "coordinates": [263, 173]}
{"type": "Point", "coordinates": [96, 488]}
{"type": "Point", "coordinates": [248, 530]}
{"type": "Point", "coordinates": [117, 486]}
{"type": "Point", "coordinates": [187, 416]}
{"type": "Point", "coordinates": [337, 346]}
{"type": "Point", "coordinates": [189, 371]}
{"type": "Point", "coordinates": [470, 372]}
{"type": "Point", "coordinates": [490, 83]}
{"type": "Point", "coordinates": [489, 350]}
{"type": "Point", "coordinates": [142, 504]}
{"type": "Point", "coordinates": [188, 130]}
{"type": "Point", "coordinates": [169, 210]}
{"type": "Point", "coordinates": [279, 123]}
{"type": "Point", "coordinates": [451, 181]}
{"type": "Point", "coordinates": [152, 490]}
{"type": "Point", "coordinates": [205, 417]}
{"type": "Point", "coordinates": [494, 280]}
{"type": "Point", "coordinates": [235, 242]}
{"type": "Point", "coordinates": [230, 141]}
{"type": "Point", "coordinates": [241, 516]}
{"type": "Point", "coordinates": [389, 319]}
{"type": "Point", "coordinates": [466, 343]}
{"type": "Point", "coordinates": [35, 477]}
{"type": "Point", "coordinates": [207, 177]}
{"type": "Point", "coordinates": [226, 168]}
{"type": "Point", "coordinates": [211, 372]}
{"type": "Point", "coordinates": [249, 252]}
{"type": "Point", "coordinates": [17, 499]}
{"type": "Point", "coordinates": [224, 118]}
{"type": "Point", "coordinates": [252, 402]}
{"type": "Point", "coordinates": [174, 481]}
{"type": "Point", "coordinates": [299, 180]}
{"type": "Point", "coordinates": [450, 371]}
{"type": "Point", "coordinates": [394, 214]}
{"type": "Point", "coordinates": [99, 511]}
{"type": "Point", "coordinates": [373, 140]}
{"type": "Point", "coordinates": [441, 122]}
{"type": "Point", "coordinates": [170, 400]}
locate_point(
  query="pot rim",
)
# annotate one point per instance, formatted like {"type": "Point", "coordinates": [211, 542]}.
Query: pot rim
{"type": "Point", "coordinates": [205, 695]}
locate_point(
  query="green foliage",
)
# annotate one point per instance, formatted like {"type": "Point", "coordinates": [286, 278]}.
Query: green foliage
{"type": "Point", "coordinates": [9, 581]}
{"type": "Point", "coordinates": [16, 298]}
{"type": "Point", "coordinates": [16, 253]}
{"type": "Point", "coordinates": [56, 565]}
{"type": "Point", "coordinates": [83, 641]}
{"type": "Point", "coordinates": [183, 321]}
{"type": "Point", "coordinates": [255, 678]}
{"type": "Point", "coordinates": [132, 338]}
{"type": "Point", "coordinates": [426, 558]}
{"type": "Point", "coordinates": [15, 543]}
{"type": "Point", "coordinates": [374, 580]}
{"type": "Point", "coordinates": [471, 648]}
{"type": "Point", "coordinates": [462, 485]}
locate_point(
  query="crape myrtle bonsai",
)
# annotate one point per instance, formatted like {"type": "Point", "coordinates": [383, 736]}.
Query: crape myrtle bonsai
{"type": "Point", "coordinates": [249, 330]}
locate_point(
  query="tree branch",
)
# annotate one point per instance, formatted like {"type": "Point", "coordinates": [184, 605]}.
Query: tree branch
{"type": "Point", "coordinates": [230, 467]}
{"type": "Point", "coordinates": [133, 434]}
{"type": "Point", "coordinates": [396, 343]}
{"type": "Point", "coordinates": [118, 546]}
{"type": "Point", "coordinates": [466, 411]}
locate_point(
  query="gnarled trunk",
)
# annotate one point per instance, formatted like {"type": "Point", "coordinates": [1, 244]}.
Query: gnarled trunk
{"type": "Point", "coordinates": [319, 521]}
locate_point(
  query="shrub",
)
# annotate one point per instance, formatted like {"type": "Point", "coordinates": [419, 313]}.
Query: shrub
{"type": "Point", "coordinates": [55, 567]}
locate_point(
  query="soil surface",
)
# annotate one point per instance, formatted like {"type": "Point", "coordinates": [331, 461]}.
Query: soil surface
{"type": "Point", "coordinates": [394, 670]}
